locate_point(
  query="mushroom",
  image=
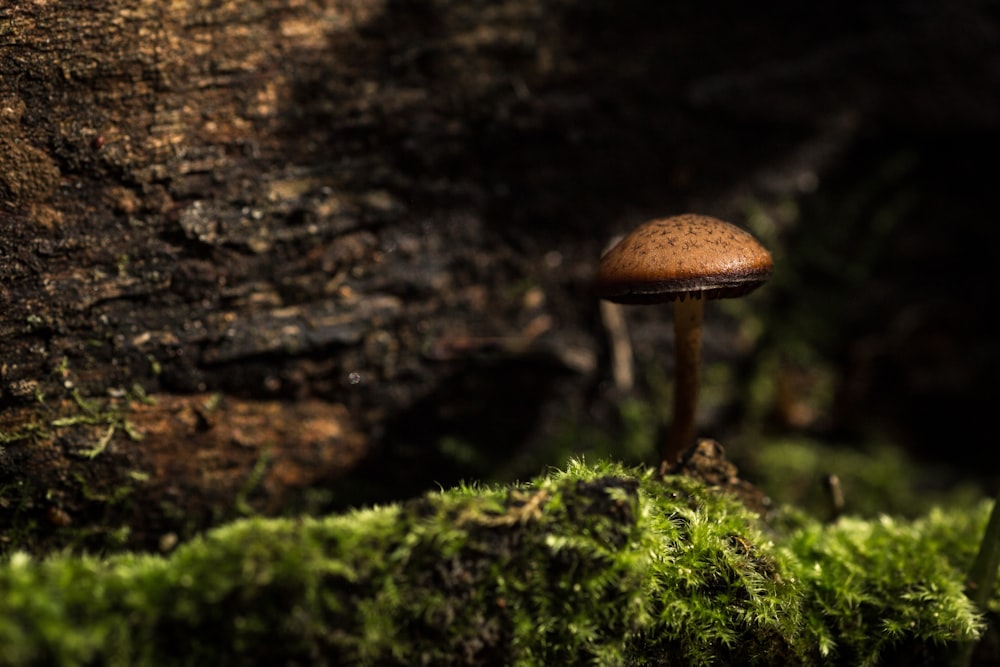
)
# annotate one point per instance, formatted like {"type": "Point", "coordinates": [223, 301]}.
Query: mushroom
{"type": "Point", "coordinates": [683, 259]}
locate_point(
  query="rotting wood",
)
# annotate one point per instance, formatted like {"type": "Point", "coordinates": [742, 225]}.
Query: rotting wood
{"type": "Point", "coordinates": [201, 197]}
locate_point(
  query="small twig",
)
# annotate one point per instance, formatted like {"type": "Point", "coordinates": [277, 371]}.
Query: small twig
{"type": "Point", "coordinates": [622, 361]}
{"type": "Point", "coordinates": [616, 327]}
{"type": "Point", "coordinates": [835, 496]}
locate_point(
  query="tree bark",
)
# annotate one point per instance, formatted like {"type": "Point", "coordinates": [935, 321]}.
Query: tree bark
{"type": "Point", "coordinates": [237, 240]}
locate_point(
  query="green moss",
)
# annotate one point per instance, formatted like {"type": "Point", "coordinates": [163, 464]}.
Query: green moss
{"type": "Point", "coordinates": [593, 565]}
{"type": "Point", "coordinates": [883, 587]}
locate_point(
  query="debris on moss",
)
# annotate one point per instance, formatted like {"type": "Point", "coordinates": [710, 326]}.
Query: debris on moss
{"type": "Point", "coordinates": [594, 565]}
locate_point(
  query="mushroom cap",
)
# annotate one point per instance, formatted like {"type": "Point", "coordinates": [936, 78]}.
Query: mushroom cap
{"type": "Point", "coordinates": [682, 256]}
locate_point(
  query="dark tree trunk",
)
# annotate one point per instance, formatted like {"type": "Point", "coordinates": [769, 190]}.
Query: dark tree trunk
{"type": "Point", "coordinates": [238, 239]}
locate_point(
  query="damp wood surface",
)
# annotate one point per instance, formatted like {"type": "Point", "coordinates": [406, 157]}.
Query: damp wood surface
{"type": "Point", "coordinates": [228, 204]}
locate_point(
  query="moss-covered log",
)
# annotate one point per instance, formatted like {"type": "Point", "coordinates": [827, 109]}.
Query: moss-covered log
{"type": "Point", "coordinates": [596, 565]}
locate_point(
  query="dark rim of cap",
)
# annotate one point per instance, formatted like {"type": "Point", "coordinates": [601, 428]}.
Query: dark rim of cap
{"type": "Point", "coordinates": [686, 256]}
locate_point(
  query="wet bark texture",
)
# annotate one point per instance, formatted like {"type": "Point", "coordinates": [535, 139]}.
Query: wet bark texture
{"type": "Point", "coordinates": [315, 230]}
{"type": "Point", "coordinates": [266, 216]}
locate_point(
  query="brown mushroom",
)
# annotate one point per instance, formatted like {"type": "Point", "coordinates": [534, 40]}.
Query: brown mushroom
{"type": "Point", "coordinates": [683, 259]}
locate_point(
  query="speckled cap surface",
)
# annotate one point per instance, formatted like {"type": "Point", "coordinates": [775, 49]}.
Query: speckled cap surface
{"type": "Point", "coordinates": [684, 256]}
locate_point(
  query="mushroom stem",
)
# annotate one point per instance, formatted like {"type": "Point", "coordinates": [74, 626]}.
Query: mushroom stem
{"type": "Point", "coordinates": [687, 356]}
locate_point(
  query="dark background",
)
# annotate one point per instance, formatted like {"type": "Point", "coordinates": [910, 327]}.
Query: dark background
{"type": "Point", "coordinates": [859, 139]}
